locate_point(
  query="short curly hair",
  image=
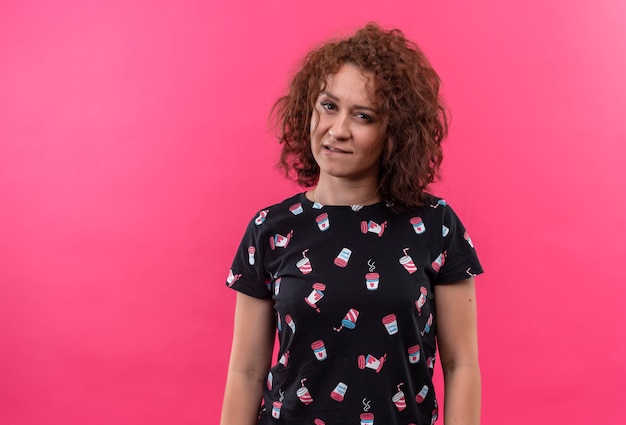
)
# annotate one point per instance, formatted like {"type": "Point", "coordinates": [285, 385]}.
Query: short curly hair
{"type": "Point", "coordinates": [406, 93]}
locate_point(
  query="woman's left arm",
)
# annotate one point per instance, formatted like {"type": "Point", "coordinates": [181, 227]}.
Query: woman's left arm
{"type": "Point", "coordinates": [457, 339]}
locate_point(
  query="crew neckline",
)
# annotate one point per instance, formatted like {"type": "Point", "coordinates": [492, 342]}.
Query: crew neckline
{"type": "Point", "coordinates": [316, 205]}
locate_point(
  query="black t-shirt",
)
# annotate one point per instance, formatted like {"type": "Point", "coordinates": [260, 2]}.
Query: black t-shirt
{"type": "Point", "coordinates": [353, 293]}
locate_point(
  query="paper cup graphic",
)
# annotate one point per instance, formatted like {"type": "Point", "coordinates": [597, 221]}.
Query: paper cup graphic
{"type": "Point", "coordinates": [339, 392]}
{"type": "Point", "coordinates": [418, 225]}
{"type": "Point", "coordinates": [429, 323]}
{"type": "Point", "coordinates": [434, 415]}
{"type": "Point", "coordinates": [270, 380]}
{"type": "Point", "coordinates": [431, 362]}
{"type": "Point", "coordinates": [439, 262]}
{"type": "Point", "coordinates": [304, 265]}
{"type": "Point", "coordinates": [261, 217]}
{"type": "Point", "coordinates": [284, 359]}
{"type": "Point", "coordinates": [319, 349]}
{"type": "Point", "coordinates": [231, 277]}
{"type": "Point", "coordinates": [408, 264]}
{"type": "Point", "coordinates": [315, 295]}
{"type": "Point", "coordinates": [277, 286]}
{"type": "Point", "coordinates": [419, 303]}
{"type": "Point", "coordinates": [371, 362]}
{"type": "Point", "coordinates": [296, 209]}
{"type": "Point", "coordinates": [367, 418]}
{"type": "Point", "coordinates": [344, 256]}
{"type": "Point", "coordinates": [349, 320]}
{"type": "Point", "coordinates": [304, 395]}
{"type": "Point", "coordinates": [251, 251]}
{"type": "Point", "coordinates": [422, 394]}
{"type": "Point", "coordinates": [391, 324]}
{"type": "Point", "coordinates": [414, 354]}
{"type": "Point", "coordinates": [318, 421]}
{"type": "Point", "coordinates": [444, 231]}
{"type": "Point", "coordinates": [289, 322]}
{"type": "Point", "coordinates": [371, 281]}
{"type": "Point", "coordinates": [466, 236]}
{"type": "Point", "coordinates": [276, 409]}
{"type": "Point", "coordinates": [322, 222]}
{"type": "Point", "coordinates": [364, 227]}
{"type": "Point", "coordinates": [399, 400]}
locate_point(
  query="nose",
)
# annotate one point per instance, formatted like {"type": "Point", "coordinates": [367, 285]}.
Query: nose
{"type": "Point", "coordinates": [340, 128]}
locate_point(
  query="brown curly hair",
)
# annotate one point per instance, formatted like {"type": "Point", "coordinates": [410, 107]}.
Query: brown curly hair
{"type": "Point", "coordinates": [406, 93]}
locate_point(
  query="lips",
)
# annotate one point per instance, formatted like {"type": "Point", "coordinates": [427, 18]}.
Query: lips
{"type": "Point", "coordinates": [334, 149]}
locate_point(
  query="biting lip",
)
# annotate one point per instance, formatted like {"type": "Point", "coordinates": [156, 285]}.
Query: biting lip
{"type": "Point", "coordinates": [333, 149]}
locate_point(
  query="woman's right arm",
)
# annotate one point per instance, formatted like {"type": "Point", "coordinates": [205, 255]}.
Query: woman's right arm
{"type": "Point", "coordinates": [250, 359]}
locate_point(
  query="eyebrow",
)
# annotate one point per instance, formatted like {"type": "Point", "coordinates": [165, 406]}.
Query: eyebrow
{"type": "Point", "coordinates": [336, 99]}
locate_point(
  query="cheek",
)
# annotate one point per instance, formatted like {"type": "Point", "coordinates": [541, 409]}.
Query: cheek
{"type": "Point", "coordinates": [315, 121]}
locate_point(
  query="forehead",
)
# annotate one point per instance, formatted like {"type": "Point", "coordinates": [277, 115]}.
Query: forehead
{"type": "Point", "coordinates": [351, 83]}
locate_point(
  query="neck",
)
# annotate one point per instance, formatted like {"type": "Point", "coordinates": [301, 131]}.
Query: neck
{"type": "Point", "coordinates": [344, 193]}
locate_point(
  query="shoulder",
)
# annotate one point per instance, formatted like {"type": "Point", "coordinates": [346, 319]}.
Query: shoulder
{"type": "Point", "coordinates": [274, 213]}
{"type": "Point", "coordinates": [433, 206]}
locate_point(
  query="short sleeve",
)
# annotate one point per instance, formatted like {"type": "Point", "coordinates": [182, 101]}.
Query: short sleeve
{"type": "Point", "coordinates": [247, 273]}
{"type": "Point", "coordinates": [460, 259]}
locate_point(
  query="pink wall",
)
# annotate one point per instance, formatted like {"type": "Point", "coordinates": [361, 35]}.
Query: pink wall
{"type": "Point", "coordinates": [134, 148]}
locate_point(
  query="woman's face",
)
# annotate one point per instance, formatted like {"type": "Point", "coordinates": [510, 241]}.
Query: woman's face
{"type": "Point", "coordinates": [346, 128]}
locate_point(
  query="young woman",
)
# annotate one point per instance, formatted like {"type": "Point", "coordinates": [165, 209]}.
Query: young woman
{"type": "Point", "coordinates": [366, 275]}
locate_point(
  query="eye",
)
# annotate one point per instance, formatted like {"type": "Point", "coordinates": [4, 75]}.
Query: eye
{"type": "Point", "coordinates": [364, 117]}
{"type": "Point", "coordinates": [329, 106]}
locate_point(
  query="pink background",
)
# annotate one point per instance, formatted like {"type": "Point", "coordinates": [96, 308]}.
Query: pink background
{"type": "Point", "coordinates": [134, 148]}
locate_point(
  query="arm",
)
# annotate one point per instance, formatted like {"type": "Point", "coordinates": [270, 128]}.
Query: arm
{"type": "Point", "coordinates": [250, 358]}
{"type": "Point", "coordinates": [455, 304]}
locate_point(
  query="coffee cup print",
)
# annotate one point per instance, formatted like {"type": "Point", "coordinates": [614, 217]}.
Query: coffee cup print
{"type": "Point", "coordinates": [439, 262]}
{"type": "Point", "coordinates": [429, 324]}
{"type": "Point", "coordinates": [466, 236]}
{"type": "Point", "coordinates": [276, 406]}
{"type": "Point", "coordinates": [373, 227]}
{"type": "Point", "coordinates": [280, 241]}
{"type": "Point", "coordinates": [304, 265]}
{"type": "Point", "coordinates": [349, 320]}
{"type": "Point", "coordinates": [430, 362]}
{"type": "Point", "coordinates": [391, 324]}
{"type": "Point", "coordinates": [232, 277]}
{"type": "Point", "coordinates": [261, 217]}
{"type": "Point", "coordinates": [399, 399]}
{"type": "Point", "coordinates": [284, 359]}
{"type": "Point", "coordinates": [315, 295]}
{"type": "Point", "coordinates": [277, 285]}
{"type": "Point", "coordinates": [407, 262]}
{"type": "Point", "coordinates": [344, 256]}
{"type": "Point", "coordinates": [419, 303]}
{"type": "Point", "coordinates": [367, 418]}
{"type": "Point", "coordinates": [319, 350]}
{"type": "Point", "coordinates": [418, 225]}
{"type": "Point", "coordinates": [444, 231]}
{"type": "Point", "coordinates": [303, 393]}
{"type": "Point", "coordinates": [318, 421]}
{"type": "Point", "coordinates": [270, 380]}
{"type": "Point", "coordinates": [434, 415]}
{"type": "Point", "coordinates": [339, 392]}
{"type": "Point", "coordinates": [371, 362]}
{"type": "Point", "coordinates": [422, 394]}
{"type": "Point", "coordinates": [371, 281]}
{"type": "Point", "coordinates": [296, 209]}
{"type": "Point", "coordinates": [251, 251]}
{"type": "Point", "coordinates": [414, 354]}
{"type": "Point", "coordinates": [317, 206]}
{"type": "Point", "coordinates": [290, 322]}
{"type": "Point", "coordinates": [323, 222]}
